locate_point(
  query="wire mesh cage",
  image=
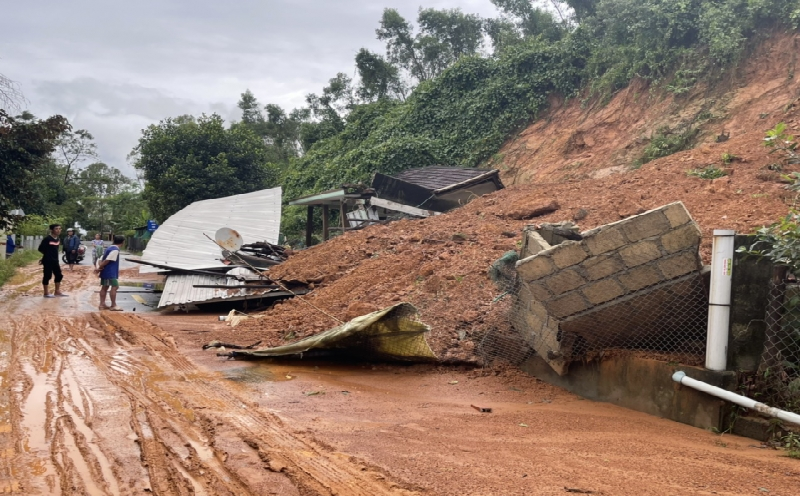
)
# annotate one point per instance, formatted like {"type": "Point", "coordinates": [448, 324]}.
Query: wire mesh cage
{"type": "Point", "coordinates": [665, 321]}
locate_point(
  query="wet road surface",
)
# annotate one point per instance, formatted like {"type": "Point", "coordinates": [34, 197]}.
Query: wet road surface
{"type": "Point", "coordinates": [107, 403]}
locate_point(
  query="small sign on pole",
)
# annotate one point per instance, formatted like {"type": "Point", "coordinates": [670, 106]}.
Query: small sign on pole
{"type": "Point", "coordinates": [152, 225]}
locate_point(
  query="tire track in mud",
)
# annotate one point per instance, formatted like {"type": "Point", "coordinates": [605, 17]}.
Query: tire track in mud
{"type": "Point", "coordinates": [313, 467]}
{"type": "Point", "coordinates": [105, 404]}
{"type": "Point", "coordinates": [72, 423]}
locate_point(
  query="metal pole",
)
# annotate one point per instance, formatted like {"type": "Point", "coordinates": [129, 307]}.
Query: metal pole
{"type": "Point", "coordinates": [719, 300]}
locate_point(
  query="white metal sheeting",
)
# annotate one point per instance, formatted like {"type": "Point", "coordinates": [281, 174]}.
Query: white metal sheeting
{"type": "Point", "coordinates": [179, 242]}
{"type": "Point", "coordinates": [179, 290]}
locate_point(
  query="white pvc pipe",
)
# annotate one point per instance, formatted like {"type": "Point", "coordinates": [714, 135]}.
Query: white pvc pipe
{"type": "Point", "coordinates": [682, 378]}
{"type": "Point", "coordinates": [719, 300]}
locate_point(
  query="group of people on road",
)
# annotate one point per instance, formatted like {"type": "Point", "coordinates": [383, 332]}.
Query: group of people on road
{"type": "Point", "coordinates": [105, 260]}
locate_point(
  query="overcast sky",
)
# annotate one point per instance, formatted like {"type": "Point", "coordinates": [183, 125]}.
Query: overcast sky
{"type": "Point", "coordinates": [115, 67]}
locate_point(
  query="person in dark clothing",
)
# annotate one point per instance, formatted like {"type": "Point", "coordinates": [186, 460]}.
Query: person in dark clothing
{"type": "Point", "coordinates": [71, 244]}
{"type": "Point", "coordinates": [52, 267]}
{"type": "Point", "coordinates": [10, 246]}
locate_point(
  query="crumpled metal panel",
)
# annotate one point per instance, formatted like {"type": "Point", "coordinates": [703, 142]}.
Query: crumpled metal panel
{"type": "Point", "coordinates": [179, 242]}
{"type": "Point", "coordinates": [179, 290]}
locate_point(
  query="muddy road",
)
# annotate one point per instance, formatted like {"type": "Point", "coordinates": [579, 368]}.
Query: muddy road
{"type": "Point", "coordinates": [107, 403]}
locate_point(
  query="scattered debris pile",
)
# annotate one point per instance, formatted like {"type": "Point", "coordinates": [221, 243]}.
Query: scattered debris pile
{"type": "Point", "coordinates": [394, 333]}
{"type": "Point", "coordinates": [183, 242]}
{"type": "Point", "coordinates": [203, 271]}
{"type": "Point", "coordinates": [261, 255]}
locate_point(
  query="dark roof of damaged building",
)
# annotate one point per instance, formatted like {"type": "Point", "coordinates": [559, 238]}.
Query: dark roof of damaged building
{"type": "Point", "coordinates": [437, 178]}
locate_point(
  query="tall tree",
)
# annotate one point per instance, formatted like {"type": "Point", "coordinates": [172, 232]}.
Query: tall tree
{"type": "Point", "coordinates": [279, 131]}
{"type": "Point", "coordinates": [327, 113]}
{"type": "Point", "coordinates": [186, 159]}
{"type": "Point", "coordinates": [531, 18]}
{"type": "Point", "coordinates": [11, 98]}
{"type": "Point", "coordinates": [444, 36]}
{"type": "Point", "coordinates": [251, 110]}
{"type": "Point", "coordinates": [72, 149]}
{"type": "Point", "coordinates": [25, 147]}
{"type": "Point", "coordinates": [89, 195]}
{"type": "Point", "coordinates": [378, 78]}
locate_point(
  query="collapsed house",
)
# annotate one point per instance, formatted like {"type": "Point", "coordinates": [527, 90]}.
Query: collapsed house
{"type": "Point", "coordinates": [413, 193]}
{"type": "Point", "coordinates": [199, 271]}
{"type": "Point", "coordinates": [634, 284]}
{"type": "Point", "coordinates": [436, 188]}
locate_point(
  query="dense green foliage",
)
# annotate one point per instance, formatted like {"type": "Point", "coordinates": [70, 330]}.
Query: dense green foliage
{"type": "Point", "coordinates": [185, 160]}
{"type": "Point", "coordinates": [25, 148]}
{"type": "Point", "coordinates": [463, 115]}
{"type": "Point", "coordinates": [44, 171]}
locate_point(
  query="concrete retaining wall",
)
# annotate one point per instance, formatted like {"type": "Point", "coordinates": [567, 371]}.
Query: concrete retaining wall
{"type": "Point", "coordinates": [562, 286]}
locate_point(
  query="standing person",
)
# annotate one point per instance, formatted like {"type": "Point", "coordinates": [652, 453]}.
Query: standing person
{"type": "Point", "coordinates": [49, 249]}
{"type": "Point", "coordinates": [98, 248]}
{"type": "Point", "coordinates": [108, 271]}
{"type": "Point", "coordinates": [71, 244]}
{"type": "Point", "coordinates": [10, 246]}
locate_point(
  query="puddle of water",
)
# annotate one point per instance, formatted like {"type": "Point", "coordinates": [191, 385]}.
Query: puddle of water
{"type": "Point", "coordinates": [34, 423]}
{"type": "Point", "coordinates": [269, 371]}
{"type": "Point", "coordinates": [199, 490]}
{"type": "Point", "coordinates": [252, 374]}
{"type": "Point", "coordinates": [34, 410]}
{"type": "Point", "coordinates": [89, 299]}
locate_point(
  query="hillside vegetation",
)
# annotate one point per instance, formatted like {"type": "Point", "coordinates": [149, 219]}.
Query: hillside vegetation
{"type": "Point", "coordinates": [463, 116]}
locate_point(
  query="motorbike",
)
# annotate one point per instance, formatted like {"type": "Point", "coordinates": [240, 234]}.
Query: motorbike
{"type": "Point", "coordinates": [81, 254]}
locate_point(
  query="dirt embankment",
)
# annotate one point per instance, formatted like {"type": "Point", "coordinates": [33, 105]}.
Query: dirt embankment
{"type": "Point", "coordinates": [594, 137]}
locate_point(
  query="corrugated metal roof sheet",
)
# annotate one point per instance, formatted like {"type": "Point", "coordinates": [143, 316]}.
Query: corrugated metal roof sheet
{"type": "Point", "coordinates": [179, 242]}
{"type": "Point", "coordinates": [179, 290]}
{"type": "Point", "coordinates": [436, 178]}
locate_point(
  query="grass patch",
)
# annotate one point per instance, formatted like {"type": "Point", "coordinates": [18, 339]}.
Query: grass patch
{"type": "Point", "coordinates": [666, 142]}
{"type": "Point", "coordinates": [710, 172]}
{"type": "Point", "coordinates": [19, 259]}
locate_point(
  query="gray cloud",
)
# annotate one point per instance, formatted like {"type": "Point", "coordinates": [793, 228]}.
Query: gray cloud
{"type": "Point", "coordinates": [114, 68]}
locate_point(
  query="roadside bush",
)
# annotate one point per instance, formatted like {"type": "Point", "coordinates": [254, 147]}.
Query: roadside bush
{"type": "Point", "coordinates": [19, 259]}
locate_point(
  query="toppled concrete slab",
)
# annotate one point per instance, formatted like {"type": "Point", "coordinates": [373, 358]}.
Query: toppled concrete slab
{"type": "Point", "coordinates": [612, 288]}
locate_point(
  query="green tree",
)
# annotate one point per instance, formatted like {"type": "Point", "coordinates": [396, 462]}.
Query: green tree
{"type": "Point", "coordinates": [326, 113]}
{"type": "Point", "coordinates": [72, 149]}
{"type": "Point", "coordinates": [378, 78]}
{"type": "Point", "coordinates": [94, 187]}
{"type": "Point", "coordinates": [186, 159]}
{"type": "Point", "coordinates": [529, 20]}
{"type": "Point", "coordinates": [125, 211]}
{"type": "Point", "coordinates": [25, 148]}
{"type": "Point", "coordinates": [280, 132]}
{"type": "Point", "coordinates": [444, 36]}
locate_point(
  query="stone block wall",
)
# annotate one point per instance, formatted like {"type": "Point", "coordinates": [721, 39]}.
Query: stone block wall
{"type": "Point", "coordinates": [610, 265]}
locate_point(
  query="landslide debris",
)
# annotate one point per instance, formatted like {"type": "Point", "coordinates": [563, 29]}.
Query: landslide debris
{"type": "Point", "coordinates": [440, 264]}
